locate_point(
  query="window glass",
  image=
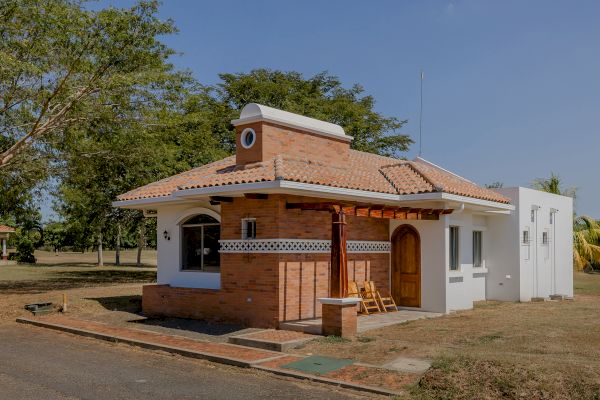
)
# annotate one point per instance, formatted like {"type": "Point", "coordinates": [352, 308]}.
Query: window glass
{"type": "Point", "coordinates": [200, 244]}
{"type": "Point", "coordinates": [249, 228]}
{"type": "Point", "coordinates": [526, 237]}
{"type": "Point", "coordinates": [211, 248]}
{"type": "Point", "coordinates": [192, 248]}
{"type": "Point", "coordinates": [477, 246]}
{"type": "Point", "coordinates": [453, 256]}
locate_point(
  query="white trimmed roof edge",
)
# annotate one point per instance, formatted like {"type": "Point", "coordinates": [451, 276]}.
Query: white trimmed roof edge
{"type": "Point", "coordinates": [253, 112]}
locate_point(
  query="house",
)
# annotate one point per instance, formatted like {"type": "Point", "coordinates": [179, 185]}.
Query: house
{"type": "Point", "coordinates": [247, 239]}
{"type": "Point", "coordinates": [5, 231]}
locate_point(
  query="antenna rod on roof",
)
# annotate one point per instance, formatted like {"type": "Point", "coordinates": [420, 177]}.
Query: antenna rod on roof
{"type": "Point", "coordinates": [421, 118]}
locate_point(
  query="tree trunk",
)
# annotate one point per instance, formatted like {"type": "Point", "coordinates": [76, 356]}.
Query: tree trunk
{"type": "Point", "coordinates": [100, 256]}
{"type": "Point", "coordinates": [118, 246]}
{"type": "Point", "coordinates": [141, 243]}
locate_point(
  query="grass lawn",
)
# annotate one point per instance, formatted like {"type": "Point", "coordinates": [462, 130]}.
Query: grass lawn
{"type": "Point", "coordinates": [90, 289]}
{"type": "Point", "coordinates": [497, 350]}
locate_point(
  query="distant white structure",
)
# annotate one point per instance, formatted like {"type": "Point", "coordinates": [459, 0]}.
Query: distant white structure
{"type": "Point", "coordinates": [540, 263]}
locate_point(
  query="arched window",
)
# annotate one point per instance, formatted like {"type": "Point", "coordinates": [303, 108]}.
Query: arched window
{"type": "Point", "coordinates": [200, 244]}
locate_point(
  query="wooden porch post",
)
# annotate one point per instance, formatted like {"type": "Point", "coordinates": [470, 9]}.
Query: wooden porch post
{"type": "Point", "coordinates": [338, 283]}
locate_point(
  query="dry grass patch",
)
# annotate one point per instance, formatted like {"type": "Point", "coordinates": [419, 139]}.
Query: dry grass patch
{"type": "Point", "coordinates": [497, 350]}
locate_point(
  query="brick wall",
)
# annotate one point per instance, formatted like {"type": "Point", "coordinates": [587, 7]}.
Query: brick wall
{"type": "Point", "coordinates": [262, 289]}
{"type": "Point", "coordinates": [273, 140]}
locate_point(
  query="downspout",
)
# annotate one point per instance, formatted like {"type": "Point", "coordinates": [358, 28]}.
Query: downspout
{"type": "Point", "coordinates": [535, 208]}
{"type": "Point", "coordinates": [553, 216]}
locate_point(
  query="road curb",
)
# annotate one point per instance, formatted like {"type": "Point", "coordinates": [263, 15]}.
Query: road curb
{"type": "Point", "coordinates": [143, 344]}
{"type": "Point", "coordinates": [334, 382]}
{"type": "Point", "coordinates": [208, 356]}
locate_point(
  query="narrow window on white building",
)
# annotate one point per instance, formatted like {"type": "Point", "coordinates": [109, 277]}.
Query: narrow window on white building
{"type": "Point", "coordinates": [477, 249]}
{"type": "Point", "coordinates": [532, 215]}
{"type": "Point", "coordinates": [551, 217]}
{"type": "Point", "coordinates": [526, 236]}
{"type": "Point", "coordinates": [544, 237]}
{"type": "Point", "coordinates": [454, 246]}
{"type": "Point", "coordinates": [525, 240]}
{"type": "Point", "coordinates": [248, 228]}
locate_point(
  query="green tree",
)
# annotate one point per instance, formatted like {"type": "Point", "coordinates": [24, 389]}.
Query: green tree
{"type": "Point", "coordinates": [321, 96]}
{"type": "Point", "coordinates": [553, 185]}
{"type": "Point", "coordinates": [59, 61]}
{"type": "Point", "coordinates": [586, 242]}
{"type": "Point", "coordinates": [55, 235]}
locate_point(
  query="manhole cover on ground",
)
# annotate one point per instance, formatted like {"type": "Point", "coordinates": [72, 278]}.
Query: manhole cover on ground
{"type": "Point", "coordinates": [318, 364]}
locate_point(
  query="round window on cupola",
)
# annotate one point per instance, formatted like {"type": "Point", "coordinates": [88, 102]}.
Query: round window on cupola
{"type": "Point", "coordinates": [248, 138]}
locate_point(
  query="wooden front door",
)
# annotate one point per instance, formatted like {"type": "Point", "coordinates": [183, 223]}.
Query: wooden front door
{"type": "Point", "coordinates": [406, 266]}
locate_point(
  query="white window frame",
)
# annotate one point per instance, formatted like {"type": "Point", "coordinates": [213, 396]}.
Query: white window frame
{"type": "Point", "coordinates": [481, 255]}
{"type": "Point", "coordinates": [450, 260]}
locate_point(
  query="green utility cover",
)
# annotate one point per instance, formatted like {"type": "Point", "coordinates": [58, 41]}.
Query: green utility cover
{"type": "Point", "coordinates": [318, 365]}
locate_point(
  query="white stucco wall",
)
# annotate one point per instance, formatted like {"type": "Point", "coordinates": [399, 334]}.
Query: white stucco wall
{"type": "Point", "coordinates": [537, 269]}
{"type": "Point", "coordinates": [169, 251]}
{"type": "Point", "coordinates": [468, 283]}
{"type": "Point", "coordinates": [433, 262]}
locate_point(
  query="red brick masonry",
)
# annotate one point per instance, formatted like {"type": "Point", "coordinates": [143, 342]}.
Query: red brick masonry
{"type": "Point", "coordinates": [339, 320]}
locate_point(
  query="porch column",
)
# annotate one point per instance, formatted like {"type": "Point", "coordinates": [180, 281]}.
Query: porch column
{"type": "Point", "coordinates": [338, 282]}
{"type": "Point", "coordinates": [4, 254]}
{"type": "Point", "coordinates": [339, 312]}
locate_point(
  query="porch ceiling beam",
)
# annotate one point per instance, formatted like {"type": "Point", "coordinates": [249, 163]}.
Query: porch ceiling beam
{"type": "Point", "coordinates": [221, 199]}
{"type": "Point", "coordinates": [256, 196]}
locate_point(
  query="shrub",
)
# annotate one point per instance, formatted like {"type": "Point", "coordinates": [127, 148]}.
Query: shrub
{"type": "Point", "coordinates": [25, 249]}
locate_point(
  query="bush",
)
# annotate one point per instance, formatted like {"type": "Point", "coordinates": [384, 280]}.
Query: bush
{"type": "Point", "coordinates": [25, 249]}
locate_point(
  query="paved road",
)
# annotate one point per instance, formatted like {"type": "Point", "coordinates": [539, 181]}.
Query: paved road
{"type": "Point", "coordinates": [39, 364]}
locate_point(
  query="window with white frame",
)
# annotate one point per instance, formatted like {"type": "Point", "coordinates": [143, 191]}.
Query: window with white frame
{"type": "Point", "coordinates": [454, 246]}
{"type": "Point", "coordinates": [248, 228]}
{"type": "Point", "coordinates": [200, 236]}
{"type": "Point", "coordinates": [477, 249]}
{"type": "Point", "coordinates": [525, 240]}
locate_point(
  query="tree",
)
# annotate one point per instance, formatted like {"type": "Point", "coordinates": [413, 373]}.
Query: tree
{"type": "Point", "coordinates": [60, 61]}
{"type": "Point", "coordinates": [494, 185]}
{"type": "Point", "coordinates": [321, 96]}
{"type": "Point", "coordinates": [586, 242]}
{"type": "Point", "coordinates": [553, 185]}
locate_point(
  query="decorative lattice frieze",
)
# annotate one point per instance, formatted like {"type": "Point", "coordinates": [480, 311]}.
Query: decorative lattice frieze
{"type": "Point", "coordinates": [299, 246]}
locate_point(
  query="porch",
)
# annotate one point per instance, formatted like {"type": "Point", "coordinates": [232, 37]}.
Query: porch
{"type": "Point", "coordinates": [365, 322]}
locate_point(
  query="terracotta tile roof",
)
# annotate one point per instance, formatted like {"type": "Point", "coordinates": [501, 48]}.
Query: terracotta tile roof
{"type": "Point", "coordinates": [364, 171]}
{"type": "Point", "coordinates": [6, 229]}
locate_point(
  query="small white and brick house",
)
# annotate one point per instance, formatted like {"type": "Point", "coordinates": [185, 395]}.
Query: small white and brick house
{"type": "Point", "coordinates": [247, 239]}
{"type": "Point", "coordinates": [5, 232]}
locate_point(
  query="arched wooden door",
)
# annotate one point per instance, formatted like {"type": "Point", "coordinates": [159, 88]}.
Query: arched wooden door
{"type": "Point", "coordinates": [406, 266]}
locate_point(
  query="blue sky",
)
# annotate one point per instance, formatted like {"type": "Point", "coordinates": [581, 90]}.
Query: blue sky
{"type": "Point", "coordinates": [511, 90]}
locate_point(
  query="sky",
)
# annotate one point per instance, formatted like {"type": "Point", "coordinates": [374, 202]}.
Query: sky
{"type": "Point", "coordinates": [511, 89]}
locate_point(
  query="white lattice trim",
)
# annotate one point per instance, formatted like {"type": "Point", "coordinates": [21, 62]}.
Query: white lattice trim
{"type": "Point", "coordinates": [299, 246]}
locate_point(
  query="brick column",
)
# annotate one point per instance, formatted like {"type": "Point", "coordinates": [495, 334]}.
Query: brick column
{"type": "Point", "coordinates": [339, 317]}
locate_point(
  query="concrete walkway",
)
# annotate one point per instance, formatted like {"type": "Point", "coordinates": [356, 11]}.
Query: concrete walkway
{"type": "Point", "coordinates": [365, 322]}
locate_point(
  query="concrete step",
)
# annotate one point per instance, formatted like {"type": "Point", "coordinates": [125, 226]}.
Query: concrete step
{"type": "Point", "coordinates": [271, 339]}
{"type": "Point", "coordinates": [309, 326]}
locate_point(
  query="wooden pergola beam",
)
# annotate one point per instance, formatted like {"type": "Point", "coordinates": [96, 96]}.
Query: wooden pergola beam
{"type": "Point", "coordinates": [372, 210]}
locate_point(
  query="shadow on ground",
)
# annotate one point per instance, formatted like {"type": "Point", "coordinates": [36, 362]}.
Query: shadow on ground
{"type": "Point", "coordinates": [132, 304]}
{"type": "Point", "coordinates": [192, 325]}
{"type": "Point", "coordinates": [62, 280]}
